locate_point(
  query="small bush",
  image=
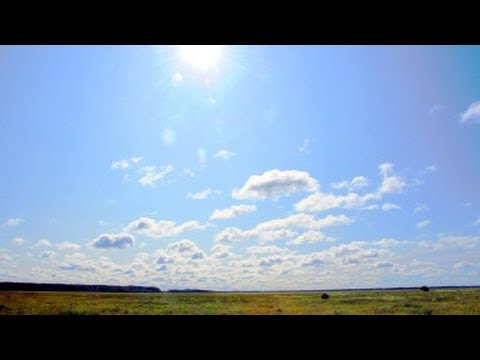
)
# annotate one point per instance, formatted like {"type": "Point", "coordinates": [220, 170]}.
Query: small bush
{"type": "Point", "coordinates": [424, 288]}
{"type": "Point", "coordinates": [325, 296]}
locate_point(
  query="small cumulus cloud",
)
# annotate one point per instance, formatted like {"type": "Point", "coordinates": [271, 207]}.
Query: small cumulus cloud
{"type": "Point", "coordinates": [391, 183]}
{"type": "Point", "coordinates": [18, 241]}
{"type": "Point", "coordinates": [12, 222]}
{"type": "Point", "coordinates": [356, 183]}
{"type": "Point", "coordinates": [136, 159]}
{"type": "Point", "coordinates": [421, 208]}
{"type": "Point", "coordinates": [42, 243]}
{"type": "Point", "coordinates": [472, 114]}
{"type": "Point", "coordinates": [232, 211]}
{"type": "Point", "coordinates": [152, 175]}
{"type": "Point", "coordinates": [389, 207]}
{"type": "Point", "coordinates": [188, 172]}
{"type": "Point", "coordinates": [224, 154]}
{"type": "Point", "coordinates": [434, 109]}
{"type": "Point", "coordinates": [308, 237]}
{"type": "Point", "coordinates": [162, 228]}
{"type": "Point", "coordinates": [202, 195]}
{"type": "Point", "coordinates": [120, 164]}
{"type": "Point", "coordinates": [177, 79]}
{"type": "Point", "coordinates": [68, 246]}
{"type": "Point", "coordinates": [118, 241]}
{"type": "Point", "coordinates": [305, 147]}
{"type": "Point", "coordinates": [276, 183]}
{"type": "Point", "coordinates": [423, 224]}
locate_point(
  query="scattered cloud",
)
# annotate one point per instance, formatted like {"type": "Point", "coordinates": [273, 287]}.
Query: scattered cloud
{"type": "Point", "coordinates": [477, 222]}
{"type": "Point", "coordinates": [78, 262]}
{"type": "Point", "coordinates": [232, 212]}
{"type": "Point", "coordinates": [308, 237]}
{"type": "Point", "coordinates": [305, 148]}
{"type": "Point", "coordinates": [455, 241]}
{"type": "Point", "coordinates": [204, 194]}
{"type": "Point", "coordinates": [276, 183]}
{"type": "Point", "coordinates": [120, 164]}
{"type": "Point", "coordinates": [162, 228]}
{"type": "Point", "coordinates": [42, 243]}
{"type": "Point", "coordinates": [18, 241]}
{"type": "Point", "coordinates": [356, 183]}
{"type": "Point", "coordinates": [136, 159]}
{"type": "Point", "coordinates": [472, 114]}
{"type": "Point", "coordinates": [224, 154]}
{"type": "Point", "coordinates": [68, 246]}
{"type": "Point", "coordinates": [421, 208]}
{"type": "Point", "coordinates": [389, 207]}
{"type": "Point", "coordinates": [266, 250]}
{"type": "Point", "coordinates": [391, 183]}
{"type": "Point", "coordinates": [322, 201]}
{"type": "Point", "coordinates": [151, 175]}
{"type": "Point", "coordinates": [277, 229]}
{"type": "Point", "coordinates": [12, 222]}
{"type": "Point", "coordinates": [422, 224]}
{"type": "Point", "coordinates": [188, 172]}
{"type": "Point", "coordinates": [5, 258]}
{"type": "Point", "coordinates": [118, 241]}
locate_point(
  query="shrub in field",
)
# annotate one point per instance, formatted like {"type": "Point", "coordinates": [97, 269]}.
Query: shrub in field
{"type": "Point", "coordinates": [424, 288]}
{"type": "Point", "coordinates": [325, 296]}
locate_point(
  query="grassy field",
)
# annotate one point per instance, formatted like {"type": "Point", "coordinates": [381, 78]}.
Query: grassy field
{"type": "Point", "coordinates": [408, 302]}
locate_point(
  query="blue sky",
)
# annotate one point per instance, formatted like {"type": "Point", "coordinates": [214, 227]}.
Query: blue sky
{"type": "Point", "coordinates": [240, 167]}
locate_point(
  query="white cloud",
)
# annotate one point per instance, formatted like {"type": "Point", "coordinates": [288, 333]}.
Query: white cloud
{"type": "Point", "coordinates": [232, 211]}
{"type": "Point", "coordinates": [42, 243]}
{"type": "Point", "coordinates": [188, 172]}
{"type": "Point", "coordinates": [186, 248]}
{"type": "Point", "coordinates": [281, 228]}
{"type": "Point", "coordinates": [224, 154]}
{"type": "Point", "coordinates": [222, 251]}
{"type": "Point", "coordinates": [202, 195]}
{"type": "Point", "coordinates": [68, 246]}
{"type": "Point", "coordinates": [48, 254]}
{"type": "Point", "coordinates": [477, 222]}
{"type": "Point", "coordinates": [5, 258]}
{"type": "Point", "coordinates": [422, 224]}
{"type": "Point", "coordinates": [356, 183]}
{"type": "Point", "coordinates": [152, 175]}
{"type": "Point", "coordinates": [18, 241]}
{"type": "Point", "coordinates": [162, 228]}
{"type": "Point", "coordinates": [421, 208]}
{"type": "Point", "coordinates": [308, 237]}
{"type": "Point", "coordinates": [371, 207]}
{"type": "Point", "coordinates": [434, 109]}
{"type": "Point", "coordinates": [391, 183]}
{"type": "Point", "coordinates": [78, 262]}
{"type": "Point", "coordinates": [118, 241]}
{"type": "Point", "coordinates": [275, 183]}
{"type": "Point", "coordinates": [321, 201]}
{"type": "Point", "coordinates": [177, 79]}
{"type": "Point", "coordinates": [120, 164]}
{"type": "Point", "coordinates": [12, 222]}
{"type": "Point", "coordinates": [266, 250]}
{"type": "Point", "coordinates": [304, 148]}
{"type": "Point", "coordinates": [472, 114]}
{"type": "Point", "coordinates": [390, 206]}
{"type": "Point", "coordinates": [136, 159]}
{"type": "Point", "coordinates": [461, 242]}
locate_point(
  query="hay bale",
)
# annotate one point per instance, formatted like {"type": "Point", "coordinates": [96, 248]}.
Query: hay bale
{"type": "Point", "coordinates": [325, 296]}
{"type": "Point", "coordinates": [424, 288]}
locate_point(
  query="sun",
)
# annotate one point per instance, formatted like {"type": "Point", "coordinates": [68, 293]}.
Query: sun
{"type": "Point", "coordinates": [203, 57]}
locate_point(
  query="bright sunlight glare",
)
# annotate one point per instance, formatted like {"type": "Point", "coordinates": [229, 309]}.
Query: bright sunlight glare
{"type": "Point", "coordinates": [201, 56]}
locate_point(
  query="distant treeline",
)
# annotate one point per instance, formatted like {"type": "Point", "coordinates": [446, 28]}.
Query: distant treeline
{"type": "Point", "coordinates": [188, 291]}
{"type": "Point", "coordinates": [13, 286]}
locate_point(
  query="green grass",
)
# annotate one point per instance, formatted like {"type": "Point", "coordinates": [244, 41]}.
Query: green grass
{"type": "Point", "coordinates": [402, 302]}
